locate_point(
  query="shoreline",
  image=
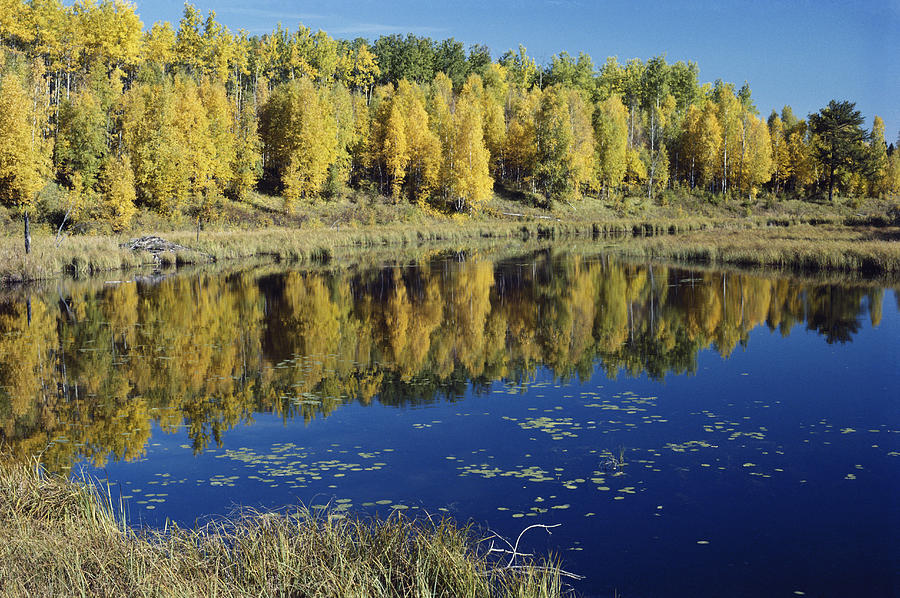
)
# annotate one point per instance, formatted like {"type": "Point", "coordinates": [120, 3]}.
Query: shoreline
{"type": "Point", "coordinates": [62, 537]}
{"type": "Point", "coordinates": [803, 241]}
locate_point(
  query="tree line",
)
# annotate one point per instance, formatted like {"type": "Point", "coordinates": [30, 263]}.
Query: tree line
{"type": "Point", "coordinates": [177, 118]}
{"type": "Point", "coordinates": [84, 373]}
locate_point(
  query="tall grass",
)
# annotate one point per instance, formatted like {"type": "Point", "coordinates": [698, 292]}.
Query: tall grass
{"type": "Point", "coordinates": [330, 229]}
{"type": "Point", "coordinates": [59, 538]}
{"type": "Point", "coordinates": [800, 248]}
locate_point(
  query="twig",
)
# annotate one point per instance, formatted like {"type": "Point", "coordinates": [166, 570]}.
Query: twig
{"type": "Point", "coordinates": [522, 533]}
{"type": "Point", "coordinates": [514, 550]}
{"type": "Point", "coordinates": [517, 215]}
{"type": "Point", "coordinates": [562, 572]}
{"type": "Point", "coordinates": [61, 225]}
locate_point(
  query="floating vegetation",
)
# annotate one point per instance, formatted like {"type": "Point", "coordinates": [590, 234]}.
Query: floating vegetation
{"type": "Point", "coordinates": [690, 445]}
{"type": "Point", "coordinates": [295, 465]}
{"type": "Point", "coordinates": [532, 474]}
{"type": "Point", "coordinates": [557, 428]}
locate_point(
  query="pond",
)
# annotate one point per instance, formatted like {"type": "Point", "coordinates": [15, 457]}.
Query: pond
{"type": "Point", "coordinates": [692, 432]}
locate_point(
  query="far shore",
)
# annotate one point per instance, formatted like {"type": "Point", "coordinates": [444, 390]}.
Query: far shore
{"type": "Point", "coordinates": [793, 236]}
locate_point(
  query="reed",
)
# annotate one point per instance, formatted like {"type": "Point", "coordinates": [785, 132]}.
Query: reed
{"type": "Point", "coordinates": [62, 538]}
{"type": "Point", "coordinates": [799, 248]}
{"type": "Point", "coordinates": [257, 229]}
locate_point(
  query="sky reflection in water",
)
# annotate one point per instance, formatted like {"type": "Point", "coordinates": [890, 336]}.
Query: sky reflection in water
{"type": "Point", "coordinates": [756, 417]}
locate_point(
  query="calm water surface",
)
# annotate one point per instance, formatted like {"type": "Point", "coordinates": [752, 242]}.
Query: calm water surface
{"type": "Point", "coordinates": [695, 433]}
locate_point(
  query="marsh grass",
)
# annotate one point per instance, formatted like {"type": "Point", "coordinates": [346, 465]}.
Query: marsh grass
{"type": "Point", "coordinates": [59, 538]}
{"type": "Point", "coordinates": [798, 248]}
{"type": "Point", "coordinates": [258, 228]}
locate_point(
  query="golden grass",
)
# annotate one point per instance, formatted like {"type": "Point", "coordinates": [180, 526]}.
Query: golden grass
{"type": "Point", "coordinates": [799, 248]}
{"type": "Point", "coordinates": [257, 229]}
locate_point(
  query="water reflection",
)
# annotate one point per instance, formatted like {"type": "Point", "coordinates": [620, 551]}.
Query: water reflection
{"type": "Point", "coordinates": [85, 373]}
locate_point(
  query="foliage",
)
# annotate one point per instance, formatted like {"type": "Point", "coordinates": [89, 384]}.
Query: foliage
{"type": "Point", "coordinates": [201, 112]}
{"type": "Point", "coordinates": [840, 144]}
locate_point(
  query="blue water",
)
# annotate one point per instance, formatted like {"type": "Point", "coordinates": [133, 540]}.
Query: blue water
{"type": "Point", "coordinates": [767, 470]}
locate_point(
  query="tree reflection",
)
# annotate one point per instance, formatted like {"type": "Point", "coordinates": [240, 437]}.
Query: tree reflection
{"type": "Point", "coordinates": [86, 375]}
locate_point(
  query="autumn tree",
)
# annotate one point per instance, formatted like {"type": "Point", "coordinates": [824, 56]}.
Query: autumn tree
{"type": "Point", "coordinates": [81, 144]}
{"type": "Point", "coordinates": [189, 40]}
{"type": "Point", "coordinates": [118, 192]}
{"type": "Point", "coordinates": [892, 175]}
{"type": "Point", "coordinates": [521, 137]}
{"type": "Point", "coordinates": [111, 33]}
{"type": "Point", "coordinates": [151, 136]}
{"type": "Point", "coordinates": [394, 145]}
{"type": "Point", "coordinates": [702, 139]}
{"type": "Point", "coordinates": [611, 126]}
{"type": "Point", "coordinates": [523, 72]}
{"type": "Point", "coordinates": [554, 138]}
{"type": "Point", "coordinates": [246, 165]}
{"type": "Point", "coordinates": [878, 158]}
{"type": "Point", "coordinates": [469, 181]}
{"type": "Point", "coordinates": [423, 144]}
{"type": "Point", "coordinates": [298, 130]}
{"type": "Point", "coordinates": [728, 111]}
{"type": "Point", "coordinates": [756, 156]}
{"type": "Point", "coordinates": [490, 92]}
{"type": "Point", "coordinates": [159, 45]}
{"type": "Point", "coordinates": [363, 71]}
{"type": "Point", "coordinates": [780, 154]}
{"type": "Point", "coordinates": [24, 152]}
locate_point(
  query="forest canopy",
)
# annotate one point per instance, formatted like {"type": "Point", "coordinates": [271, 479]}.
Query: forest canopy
{"type": "Point", "coordinates": [174, 118]}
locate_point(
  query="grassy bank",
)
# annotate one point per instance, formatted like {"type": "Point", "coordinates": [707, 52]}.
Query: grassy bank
{"type": "Point", "coordinates": [59, 538]}
{"type": "Point", "coordinates": [849, 236]}
{"type": "Point", "coordinates": [801, 248]}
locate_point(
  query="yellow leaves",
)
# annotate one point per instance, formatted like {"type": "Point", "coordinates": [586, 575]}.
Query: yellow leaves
{"type": "Point", "coordinates": [111, 32]}
{"type": "Point", "coordinates": [757, 164]}
{"type": "Point", "coordinates": [565, 142]}
{"type": "Point", "coordinates": [23, 156]}
{"type": "Point", "coordinates": [423, 146]}
{"type": "Point", "coordinates": [118, 192]}
{"type": "Point", "coordinates": [892, 176]}
{"type": "Point", "coordinates": [365, 69]}
{"type": "Point", "coordinates": [408, 148]}
{"type": "Point", "coordinates": [246, 163]}
{"type": "Point", "coordinates": [180, 140]}
{"type": "Point", "coordinates": [581, 153]}
{"type": "Point", "coordinates": [300, 135]}
{"type": "Point", "coordinates": [469, 181]}
{"type": "Point", "coordinates": [159, 44]}
{"type": "Point", "coordinates": [612, 141]}
{"type": "Point", "coordinates": [15, 21]}
{"type": "Point", "coordinates": [148, 133]}
{"type": "Point", "coordinates": [395, 152]}
{"type": "Point", "coordinates": [521, 140]}
{"type": "Point", "coordinates": [635, 169]}
{"type": "Point", "coordinates": [190, 134]}
{"type": "Point", "coordinates": [703, 139]}
{"type": "Point", "coordinates": [878, 177]}
{"type": "Point", "coordinates": [219, 134]}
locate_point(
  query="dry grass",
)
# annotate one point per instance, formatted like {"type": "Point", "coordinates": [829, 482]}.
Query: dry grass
{"type": "Point", "coordinates": [799, 248]}
{"type": "Point", "coordinates": [258, 228]}
{"type": "Point", "coordinates": [59, 538]}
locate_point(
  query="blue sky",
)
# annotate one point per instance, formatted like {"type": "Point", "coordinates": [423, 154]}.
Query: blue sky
{"type": "Point", "coordinates": [802, 53]}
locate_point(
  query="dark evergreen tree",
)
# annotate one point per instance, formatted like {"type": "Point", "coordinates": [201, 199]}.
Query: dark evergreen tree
{"type": "Point", "coordinates": [841, 139]}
